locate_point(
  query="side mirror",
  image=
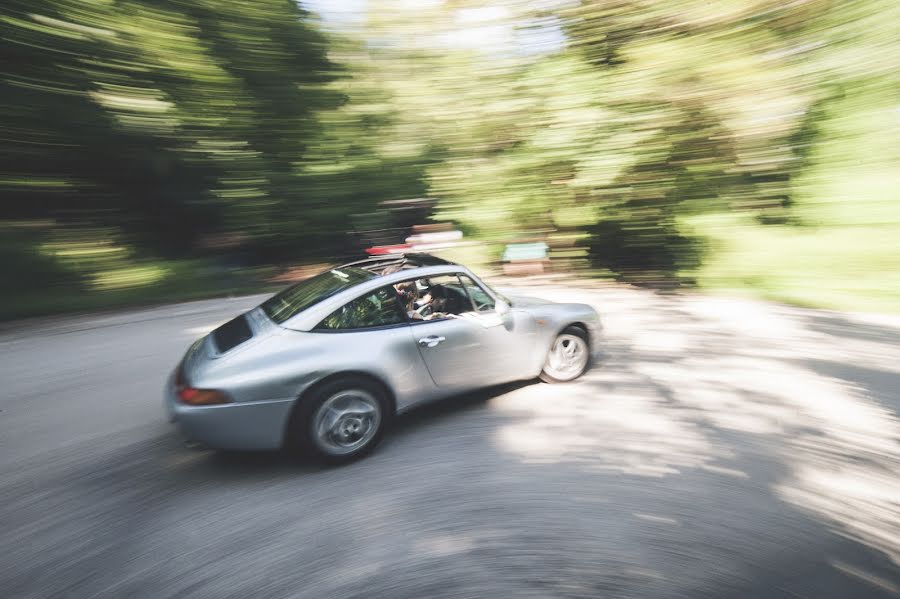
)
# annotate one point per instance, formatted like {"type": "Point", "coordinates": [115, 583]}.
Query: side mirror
{"type": "Point", "coordinates": [501, 307]}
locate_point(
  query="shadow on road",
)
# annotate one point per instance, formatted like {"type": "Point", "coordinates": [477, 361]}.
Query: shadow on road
{"type": "Point", "coordinates": [235, 465]}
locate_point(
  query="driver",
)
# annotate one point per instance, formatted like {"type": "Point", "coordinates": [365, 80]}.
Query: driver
{"type": "Point", "coordinates": [436, 302]}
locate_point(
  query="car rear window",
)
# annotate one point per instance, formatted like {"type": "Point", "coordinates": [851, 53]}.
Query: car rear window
{"type": "Point", "coordinates": [304, 294]}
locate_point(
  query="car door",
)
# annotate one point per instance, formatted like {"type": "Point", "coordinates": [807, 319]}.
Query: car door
{"type": "Point", "coordinates": [474, 345]}
{"type": "Point", "coordinates": [454, 353]}
{"type": "Point", "coordinates": [509, 336]}
{"type": "Point", "coordinates": [370, 334]}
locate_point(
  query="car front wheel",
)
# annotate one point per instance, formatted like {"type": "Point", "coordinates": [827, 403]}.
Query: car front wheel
{"type": "Point", "coordinates": [568, 357]}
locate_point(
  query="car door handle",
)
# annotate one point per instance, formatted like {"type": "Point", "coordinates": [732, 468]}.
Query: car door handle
{"type": "Point", "coordinates": [430, 341]}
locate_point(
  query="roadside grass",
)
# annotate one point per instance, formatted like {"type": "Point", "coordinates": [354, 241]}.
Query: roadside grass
{"type": "Point", "coordinates": [140, 284]}
{"type": "Point", "coordinates": [853, 268]}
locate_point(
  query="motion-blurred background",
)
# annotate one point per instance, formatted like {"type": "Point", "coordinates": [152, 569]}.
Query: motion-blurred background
{"type": "Point", "coordinates": [165, 150]}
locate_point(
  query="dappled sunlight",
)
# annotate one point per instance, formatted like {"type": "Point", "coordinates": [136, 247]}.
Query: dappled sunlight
{"type": "Point", "coordinates": [781, 331]}
{"type": "Point", "coordinates": [129, 277]}
{"type": "Point", "coordinates": [842, 449]}
{"type": "Point", "coordinates": [789, 398]}
{"type": "Point", "coordinates": [860, 498]}
{"type": "Point", "coordinates": [681, 376]}
{"type": "Point", "coordinates": [630, 431]}
{"type": "Point", "coordinates": [162, 161]}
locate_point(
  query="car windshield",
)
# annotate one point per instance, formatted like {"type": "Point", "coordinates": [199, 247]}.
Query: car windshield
{"type": "Point", "coordinates": [304, 294]}
{"type": "Point", "coordinates": [497, 294]}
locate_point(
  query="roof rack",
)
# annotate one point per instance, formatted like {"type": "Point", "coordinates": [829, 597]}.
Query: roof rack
{"type": "Point", "coordinates": [412, 259]}
{"type": "Point", "coordinates": [423, 259]}
{"type": "Point", "coordinates": [385, 260]}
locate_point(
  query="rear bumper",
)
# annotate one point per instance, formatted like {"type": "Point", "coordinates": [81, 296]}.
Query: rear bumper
{"type": "Point", "coordinates": [258, 425]}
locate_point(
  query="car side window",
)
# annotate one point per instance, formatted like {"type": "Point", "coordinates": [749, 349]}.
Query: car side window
{"type": "Point", "coordinates": [482, 300]}
{"type": "Point", "coordinates": [377, 309]}
{"type": "Point", "coordinates": [434, 298]}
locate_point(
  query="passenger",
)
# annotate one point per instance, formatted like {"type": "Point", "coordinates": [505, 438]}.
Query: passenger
{"type": "Point", "coordinates": [409, 293]}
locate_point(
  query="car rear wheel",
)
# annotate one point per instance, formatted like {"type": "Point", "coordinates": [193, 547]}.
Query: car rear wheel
{"type": "Point", "coordinates": [342, 420]}
{"type": "Point", "coordinates": [568, 357]}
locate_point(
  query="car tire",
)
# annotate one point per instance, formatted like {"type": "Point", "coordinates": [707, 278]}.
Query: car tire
{"type": "Point", "coordinates": [569, 356]}
{"type": "Point", "coordinates": [340, 421]}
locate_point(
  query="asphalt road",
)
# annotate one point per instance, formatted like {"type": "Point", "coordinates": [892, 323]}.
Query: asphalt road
{"type": "Point", "coordinates": [721, 448]}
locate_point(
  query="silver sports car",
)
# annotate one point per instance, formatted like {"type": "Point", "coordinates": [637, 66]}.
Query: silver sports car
{"type": "Point", "coordinates": [324, 365]}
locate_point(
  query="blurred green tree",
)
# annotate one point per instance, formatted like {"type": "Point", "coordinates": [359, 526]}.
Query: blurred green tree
{"type": "Point", "coordinates": [168, 121]}
{"type": "Point", "coordinates": [635, 117]}
{"type": "Point", "coordinates": [662, 132]}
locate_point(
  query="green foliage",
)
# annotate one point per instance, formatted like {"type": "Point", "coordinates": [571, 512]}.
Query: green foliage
{"type": "Point", "coordinates": [671, 137]}
{"type": "Point", "coordinates": [643, 252]}
{"type": "Point", "coordinates": [166, 120]}
{"type": "Point", "coordinates": [22, 266]}
{"type": "Point", "coordinates": [647, 114]}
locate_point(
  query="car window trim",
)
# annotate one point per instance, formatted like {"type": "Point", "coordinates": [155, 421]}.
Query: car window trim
{"type": "Point", "coordinates": [468, 295]}
{"type": "Point", "coordinates": [379, 327]}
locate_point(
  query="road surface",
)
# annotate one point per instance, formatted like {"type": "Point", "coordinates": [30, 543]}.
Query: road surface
{"type": "Point", "coordinates": [721, 448]}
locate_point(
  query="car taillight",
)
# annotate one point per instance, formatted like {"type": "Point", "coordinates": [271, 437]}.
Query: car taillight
{"type": "Point", "coordinates": [201, 397]}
